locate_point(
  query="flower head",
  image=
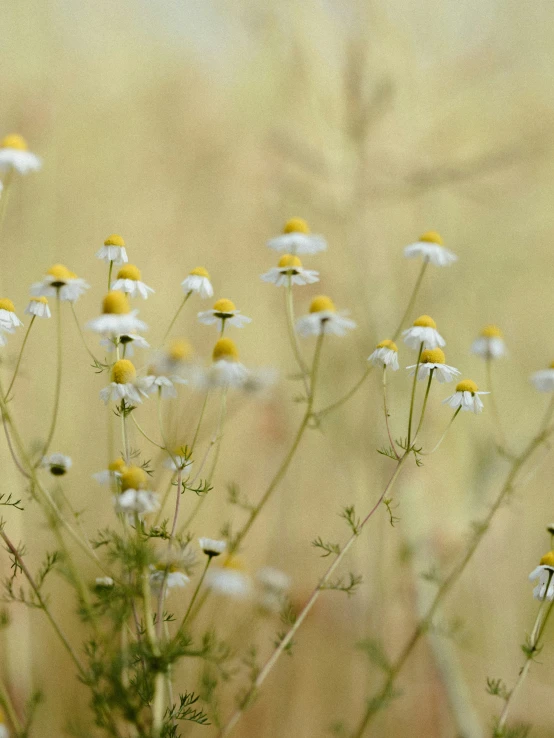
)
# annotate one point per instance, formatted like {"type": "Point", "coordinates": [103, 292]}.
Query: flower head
{"type": "Point", "coordinates": [434, 360]}
{"type": "Point", "coordinates": [466, 397]}
{"type": "Point", "coordinates": [545, 574]}
{"type": "Point", "coordinates": [226, 369]}
{"type": "Point", "coordinates": [129, 281]}
{"type": "Point", "coordinates": [112, 473]}
{"type": "Point", "coordinates": [8, 319]}
{"type": "Point", "coordinates": [297, 239]}
{"type": "Point", "coordinates": [58, 464]}
{"type": "Point", "coordinates": [198, 281]}
{"type": "Point", "coordinates": [289, 270]}
{"type": "Point", "coordinates": [136, 502]}
{"type": "Point", "coordinates": [273, 585]}
{"type": "Point", "coordinates": [212, 547]}
{"type": "Point", "coordinates": [14, 155]}
{"type": "Point", "coordinates": [225, 311]}
{"type": "Point", "coordinates": [38, 306]}
{"type": "Point", "coordinates": [490, 343]}
{"type": "Point", "coordinates": [543, 380]}
{"type": "Point", "coordinates": [423, 331]}
{"type": "Point", "coordinates": [323, 318]}
{"type": "Point", "coordinates": [123, 384]}
{"type": "Point", "coordinates": [113, 250]}
{"type": "Point", "coordinates": [430, 246]}
{"type": "Point", "coordinates": [230, 579]}
{"type": "Point", "coordinates": [117, 319]}
{"type": "Point", "coordinates": [159, 383]}
{"type": "Point", "coordinates": [386, 354]}
{"type": "Point", "coordinates": [60, 282]}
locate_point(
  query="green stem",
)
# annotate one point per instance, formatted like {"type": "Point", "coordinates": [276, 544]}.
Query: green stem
{"type": "Point", "coordinates": [145, 434]}
{"type": "Point", "coordinates": [16, 370]}
{"type": "Point", "coordinates": [181, 306]}
{"type": "Point", "coordinates": [110, 276]}
{"type": "Point", "coordinates": [7, 704]}
{"type": "Point", "coordinates": [441, 439]}
{"type": "Point", "coordinates": [197, 431]}
{"type": "Point", "coordinates": [386, 411]}
{"type": "Point", "coordinates": [293, 337]}
{"type": "Point", "coordinates": [412, 401]}
{"type": "Point", "coordinates": [92, 356]}
{"type": "Point", "coordinates": [195, 595]}
{"type": "Point", "coordinates": [411, 301]}
{"type": "Point", "coordinates": [427, 389]}
{"type": "Point", "coordinates": [58, 379]}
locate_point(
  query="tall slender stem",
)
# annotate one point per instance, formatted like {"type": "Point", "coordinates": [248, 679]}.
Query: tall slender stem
{"type": "Point", "coordinates": [424, 406]}
{"type": "Point", "coordinates": [412, 400]}
{"type": "Point", "coordinates": [181, 306]}
{"type": "Point", "coordinates": [411, 301]}
{"type": "Point", "coordinates": [79, 330]}
{"type": "Point", "coordinates": [7, 704]}
{"type": "Point", "coordinates": [195, 595]}
{"type": "Point", "coordinates": [293, 336]}
{"type": "Point", "coordinates": [110, 276]}
{"type": "Point", "coordinates": [386, 411]}
{"type": "Point", "coordinates": [16, 370]}
{"type": "Point", "coordinates": [58, 379]}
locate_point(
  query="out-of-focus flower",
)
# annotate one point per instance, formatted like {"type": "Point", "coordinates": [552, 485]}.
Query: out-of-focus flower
{"type": "Point", "coordinates": [324, 318]}
{"type": "Point", "coordinates": [297, 239]}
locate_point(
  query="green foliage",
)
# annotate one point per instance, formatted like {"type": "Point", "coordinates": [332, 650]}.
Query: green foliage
{"type": "Point", "coordinates": [348, 585]}
{"type": "Point", "coordinates": [326, 547]}
{"type": "Point", "coordinates": [375, 652]}
{"type": "Point", "coordinates": [353, 522]}
{"type": "Point", "coordinates": [497, 688]}
{"type": "Point", "coordinates": [7, 500]}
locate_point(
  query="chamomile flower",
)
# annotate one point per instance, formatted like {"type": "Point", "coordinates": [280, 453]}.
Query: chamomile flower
{"type": "Point", "coordinates": [175, 359]}
{"type": "Point", "coordinates": [123, 384]}
{"type": "Point", "coordinates": [430, 246]}
{"type": "Point", "coordinates": [179, 461]}
{"type": "Point", "coordinates": [38, 306]}
{"type": "Point", "coordinates": [198, 281]}
{"type": "Point", "coordinates": [289, 270]}
{"type": "Point", "coordinates": [135, 498]}
{"type": "Point", "coordinates": [424, 331]}
{"type": "Point", "coordinates": [8, 319]}
{"type": "Point", "coordinates": [112, 473]}
{"type": "Point", "coordinates": [545, 574]}
{"type": "Point", "coordinates": [297, 239]}
{"type": "Point", "coordinates": [163, 573]}
{"type": "Point", "coordinates": [466, 397]}
{"type": "Point", "coordinates": [225, 311]}
{"type": "Point", "coordinates": [433, 359]}
{"type": "Point", "coordinates": [543, 380]}
{"type": "Point", "coordinates": [14, 155]}
{"type": "Point", "coordinates": [273, 585]}
{"type": "Point", "coordinates": [385, 355]}
{"type": "Point", "coordinates": [490, 343]}
{"type": "Point", "coordinates": [104, 582]}
{"type": "Point", "coordinates": [212, 547]}
{"type": "Point", "coordinates": [129, 280]}
{"type": "Point", "coordinates": [113, 250]}
{"type": "Point", "coordinates": [230, 580]}
{"type": "Point", "coordinates": [58, 464]}
{"type": "Point", "coordinates": [60, 282]}
{"type": "Point", "coordinates": [154, 383]}
{"type": "Point", "coordinates": [323, 318]}
{"type": "Point", "coordinates": [226, 369]}
{"type": "Point", "coordinates": [130, 341]}
{"type": "Point", "coordinates": [117, 318]}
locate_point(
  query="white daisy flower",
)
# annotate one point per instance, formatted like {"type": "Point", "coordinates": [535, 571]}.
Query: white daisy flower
{"type": "Point", "coordinates": [225, 311]}
{"type": "Point", "coordinates": [424, 331]}
{"type": "Point", "coordinates": [545, 574]}
{"type": "Point", "coordinates": [171, 578]}
{"type": "Point", "coordinates": [175, 359]}
{"type": "Point", "coordinates": [385, 355]}
{"type": "Point", "coordinates": [212, 547]}
{"type": "Point", "coordinates": [117, 317]}
{"type": "Point", "coordinates": [433, 359]}
{"type": "Point", "coordinates": [135, 498]}
{"type": "Point", "coordinates": [104, 582]}
{"type": "Point", "coordinates": [8, 319]}
{"type": "Point", "coordinates": [130, 341]}
{"type": "Point", "coordinates": [57, 463]}
{"type": "Point", "coordinates": [152, 384]}
{"type": "Point", "coordinates": [60, 282]}
{"type": "Point", "coordinates": [229, 580]}
{"type": "Point", "coordinates": [297, 239]}
{"type": "Point", "coordinates": [490, 344]}
{"type": "Point", "coordinates": [198, 281]}
{"type": "Point", "coordinates": [38, 306]}
{"type": "Point", "coordinates": [466, 397]}
{"type": "Point", "coordinates": [273, 585]}
{"type": "Point", "coordinates": [290, 271]}
{"type": "Point", "coordinates": [226, 369]}
{"type": "Point", "coordinates": [430, 247]}
{"type": "Point", "coordinates": [113, 250]}
{"type": "Point", "coordinates": [123, 384]}
{"type": "Point", "coordinates": [128, 280]}
{"type": "Point", "coordinates": [14, 154]}
{"type": "Point", "coordinates": [323, 318]}
{"type": "Point", "coordinates": [179, 462]}
{"type": "Point", "coordinates": [543, 380]}
{"type": "Point", "coordinates": [112, 473]}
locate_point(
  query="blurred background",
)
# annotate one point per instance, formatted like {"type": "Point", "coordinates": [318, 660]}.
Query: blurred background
{"type": "Point", "coordinates": [196, 130]}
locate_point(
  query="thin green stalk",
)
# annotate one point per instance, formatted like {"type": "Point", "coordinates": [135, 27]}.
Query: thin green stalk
{"type": "Point", "coordinates": [201, 417]}
{"type": "Point", "coordinates": [110, 276]}
{"type": "Point", "coordinates": [58, 379]}
{"type": "Point", "coordinates": [441, 439]}
{"type": "Point", "coordinates": [195, 595]}
{"type": "Point", "coordinates": [145, 434]}
{"type": "Point", "coordinates": [386, 411]}
{"type": "Point", "coordinates": [412, 400]}
{"type": "Point", "coordinates": [79, 330]}
{"type": "Point", "coordinates": [7, 704]}
{"type": "Point", "coordinates": [16, 370]}
{"type": "Point", "coordinates": [293, 336]}
{"type": "Point", "coordinates": [181, 306]}
{"type": "Point", "coordinates": [411, 301]}
{"type": "Point", "coordinates": [427, 389]}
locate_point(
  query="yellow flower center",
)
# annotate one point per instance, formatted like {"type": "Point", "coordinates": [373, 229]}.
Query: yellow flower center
{"type": "Point", "coordinates": [289, 260]}
{"type": "Point", "coordinates": [491, 331]}
{"type": "Point", "coordinates": [14, 141]}
{"type": "Point", "coordinates": [123, 371]}
{"type": "Point", "coordinates": [44, 300]}
{"type": "Point", "coordinates": [387, 343]}
{"type": "Point", "coordinates": [6, 304]}
{"type": "Point", "coordinates": [226, 349]}
{"type": "Point", "coordinates": [432, 356]}
{"type": "Point", "coordinates": [548, 559]}
{"type": "Point", "coordinates": [424, 321]}
{"type": "Point", "coordinates": [296, 225]}
{"type": "Point", "coordinates": [134, 478]}
{"type": "Point", "coordinates": [129, 271]}
{"type": "Point", "coordinates": [224, 306]}
{"type": "Point", "coordinates": [179, 349]}
{"type": "Point", "coordinates": [115, 303]}
{"type": "Point", "coordinates": [235, 563]}
{"type": "Point", "coordinates": [200, 272]}
{"type": "Point", "coordinates": [321, 303]}
{"type": "Point", "coordinates": [60, 272]}
{"type": "Point", "coordinates": [466, 385]}
{"type": "Point", "coordinates": [432, 237]}
{"type": "Point", "coordinates": [114, 240]}
{"type": "Point", "coordinates": [552, 365]}
{"type": "Point", "coordinates": [118, 465]}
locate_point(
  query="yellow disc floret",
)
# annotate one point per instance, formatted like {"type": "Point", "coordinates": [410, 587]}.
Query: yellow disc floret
{"type": "Point", "coordinates": [114, 240]}
{"type": "Point", "coordinates": [115, 303]}
{"type": "Point", "coordinates": [42, 299]}
{"type": "Point", "coordinates": [387, 343]}
{"type": "Point", "coordinates": [226, 349]}
{"type": "Point", "coordinates": [432, 237]}
{"type": "Point", "coordinates": [14, 141]}
{"type": "Point", "coordinates": [179, 349]}
{"type": "Point", "coordinates": [467, 385]}
{"type": "Point", "coordinates": [134, 478]}
{"type": "Point", "coordinates": [200, 272]}
{"type": "Point", "coordinates": [491, 331]}
{"type": "Point", "coordinates": [235, 563]}
{"type": "Point", "coordinates": [224, 306]}
{"type": "Point", "coordinates": [289, 260]}
{"type": "Point", "coordinates": [548, 559]}
{"type": "Point", "coordinates": [123, 371]}
{"type": "Point", "coordinates": [321, 303]}
{"type": "Point", "coordinates": [425, 321]}
{"type": "Point", "coordinates": [432, 356]}
{"type": "Point", "coordinates": [117, 465]}
{"type": "Point", "coordinates": [6, 304]}
{"type": "Point", "coordinates": [129, 271]}
{"type": "Point", "coordinates": [60, 273]}
{"type": "Point", "coordinates": [296, 225]}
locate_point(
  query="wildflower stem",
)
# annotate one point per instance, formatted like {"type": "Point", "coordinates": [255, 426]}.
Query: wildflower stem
{"type": "Point", "coordinates": [163, 588]}
{"type": "Point", "coordinates": [411, 301]}
{"type": "Point", "coordinates": [427, 389]}
{"type": "Point", "coordinates": [145, 434]}
{"type": "Point", "coordinates": [199, 423]}
{"type": "Point", "coordinates": [58, 379]}
{"type": "Point", "coordinates": [7, 704]}
{"type": "Point", "coordinates": [16, 370]}
{"type": "Point", "coordinates": [412, 400]}
{"type": "Point", "coordinates": [110, 276]}
{"type": "Point", "coordinates": [181, 306]}
{"type": "Point", "coordinates": [441, 439]}
{"type": "Point", "coordinates": [293, 337]}
{"type": "Point", "coordinates": [79, 330]}
{"type": "Point", "coordinates": [320, 587]}
{"type": "Point", "coordinates": [124, 436]}
{"type": "Point", "coordinates": [385, 408]}
{"type": "Point", "coordinates": [195, 594]}
{"type": "Point", "coordinates": [42, 602]}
